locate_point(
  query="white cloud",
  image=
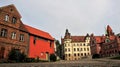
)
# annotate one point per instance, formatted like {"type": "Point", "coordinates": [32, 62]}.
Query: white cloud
{"type": "Point", "coordinates": [79, 16]}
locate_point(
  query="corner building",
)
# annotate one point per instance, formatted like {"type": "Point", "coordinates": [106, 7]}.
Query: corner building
{"type": "Point", "coordinates": [14, 34]}
{"type": "Point", "coordinates": [75, 47]}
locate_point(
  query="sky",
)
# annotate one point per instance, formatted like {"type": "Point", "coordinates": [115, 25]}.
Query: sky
{"type": "Point", "coordinates": [78, 16]}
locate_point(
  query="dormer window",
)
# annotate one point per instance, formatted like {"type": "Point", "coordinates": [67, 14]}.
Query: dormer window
{"type": "Point", "coordinates": [14, 20]}
{"type": "Point", "coordinates": [6, 18]}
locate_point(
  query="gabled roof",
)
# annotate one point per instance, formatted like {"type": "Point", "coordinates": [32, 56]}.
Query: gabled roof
{"type": "Point", "coordinates": [11, 7]}
{"type": "Point", "coordinates": [37, 32]}
{"type": "Point", "coordinates": [78, 38]}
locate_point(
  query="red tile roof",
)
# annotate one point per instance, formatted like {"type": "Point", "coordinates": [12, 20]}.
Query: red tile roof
{"type": "Point", "coordinates": [37, 32]}
{"type": "Point", "coordinates": [98, 39]}
{"type": "Point", "coordinates": [78, 38]}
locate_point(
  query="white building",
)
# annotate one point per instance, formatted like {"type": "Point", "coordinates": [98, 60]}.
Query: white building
{"type": "Point", "coordinates": [76, 47]}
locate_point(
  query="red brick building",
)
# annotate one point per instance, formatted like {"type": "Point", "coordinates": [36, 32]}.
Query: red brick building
{"type": "Point", "coordinates": [104, 46]}
{"type": "Point", "coordinates": [14, 34]}
{"type": "Point", "coordinates": [41, 44]}
{"type": "Point", "coordinates": [11, 33]}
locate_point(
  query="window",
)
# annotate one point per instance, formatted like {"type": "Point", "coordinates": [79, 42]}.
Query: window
{"type": "Point", "coordinates": [87, 49]}
{"type": "Point", "coordinates": [69, 49]}
{"type": "Point", "coordinates": [74, 44]}
{"type": "Point", "coordinates": [85, 54]}
{"type": "Point", "coordinates": [14, 20]}
{"type": "Point", "coordinates": [6, 17]}
{"type": "Point", "coordinates": [69, 55]}
{"type": "Point", "coordinates": [84, 44]}
{"type": "Point", "coordinates": [50, 43]}
{"type": "Point", "coordinates": [84, 49]}
{"type": "Point", "coordinates": [74, 49]}
{"type": "Point", "coordinates": [78, 54]}
{"type": "Point", "coordinates": [65, 49]}
{"type": "Point", "coordinates": [34, 40]}
{"type": "Point", "coordinates": [3, 33]}
{"type": "Point", "coordinates": [88, 54]}
{"type": "Point", "coordinates": [81, 54]}
{"type": "Point", "coordinates": [13, 35]}
{"type": "Point", "coordinates": [2, 52]}
{"type": "Point", "coordinates": [21, 37]}
{"type": "Point", "coordinates": [77, 49]}
{"type": "Point", "coordinates": [81, 49]}
{"type": "Point", "coordinates": [74, 54]}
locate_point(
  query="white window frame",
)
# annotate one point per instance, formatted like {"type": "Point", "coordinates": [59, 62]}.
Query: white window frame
{"type": "Point", "coordinates": [13, 35]}
{"type": "Point", "coordinates": [6, 18]}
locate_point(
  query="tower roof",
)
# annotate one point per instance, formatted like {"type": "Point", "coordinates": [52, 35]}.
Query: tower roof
{"type": "Point", "coordinates": [109, 28]}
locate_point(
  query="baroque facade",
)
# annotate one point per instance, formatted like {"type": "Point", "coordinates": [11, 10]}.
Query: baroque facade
{"type": "Point", "coordinates": [75, 47]}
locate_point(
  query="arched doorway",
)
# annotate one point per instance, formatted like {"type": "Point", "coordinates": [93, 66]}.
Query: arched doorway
{"type": "Point", "coordinates": [2, 51]}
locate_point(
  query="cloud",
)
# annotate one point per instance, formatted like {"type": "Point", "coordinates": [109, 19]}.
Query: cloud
{"type": "Point", "coordinates": [79, 16]}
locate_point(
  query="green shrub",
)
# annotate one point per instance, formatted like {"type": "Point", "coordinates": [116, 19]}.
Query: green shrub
{"type": "Point", "coordinates": [96, 56]}
{"type": "Point", "coordinates": [16, 56]}
{"type": "Point", "coordinates": [53, 57]}
{"type": "Point", "coordinates": [118, 57]}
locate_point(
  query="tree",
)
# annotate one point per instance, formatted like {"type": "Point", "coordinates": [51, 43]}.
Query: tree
{"type": "Point", "coordinates": [16, 56]}
{"type": "Point", "coordinates": [58, 48]}
{"type": "Point", "coordinates": [52, 57]}
{"type": "Point", "coordinates": [57, 43]}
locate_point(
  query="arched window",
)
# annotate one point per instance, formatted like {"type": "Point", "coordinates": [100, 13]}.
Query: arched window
{"type": "Point", "coordinates": [6, 17]}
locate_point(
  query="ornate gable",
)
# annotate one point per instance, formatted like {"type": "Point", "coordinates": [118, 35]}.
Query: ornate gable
{"type": "Point", "coordinates": [11, 9]}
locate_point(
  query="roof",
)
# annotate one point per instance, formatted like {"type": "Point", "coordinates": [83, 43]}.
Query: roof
{"type": "Point", "coordinates": [98, 39]}
{"type": "Point", "coordinates": [37, 32]}
{"type": "Point", "coordinates": [11, 6]}
{"type": "Point", "coordinates": [109, 28]}
{"type": "Point", "coordinates": [78, 38]}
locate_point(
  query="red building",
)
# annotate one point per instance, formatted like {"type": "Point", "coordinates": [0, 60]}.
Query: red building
{"type": "Point", "coordinates": [28, 40]}
{"type": "Point", "coordinates": [104, 46]}
{"type": "Point", "coordinates": [41, 44]}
